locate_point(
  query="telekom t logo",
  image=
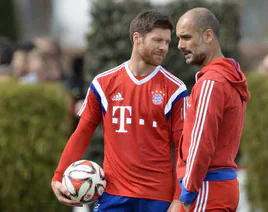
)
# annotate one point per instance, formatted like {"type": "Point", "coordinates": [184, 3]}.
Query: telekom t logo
{"type": "Point", "coordinates": [123, 110]}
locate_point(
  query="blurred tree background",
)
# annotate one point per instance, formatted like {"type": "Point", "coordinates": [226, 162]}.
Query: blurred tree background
{"type": "Point", "coordinates": [8, 22]}
{"type": "Point", "coordinates": [254, 145]}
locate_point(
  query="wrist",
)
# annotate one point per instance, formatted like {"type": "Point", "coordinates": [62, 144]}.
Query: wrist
{"type": "Point", "coordinates": [187, 197]}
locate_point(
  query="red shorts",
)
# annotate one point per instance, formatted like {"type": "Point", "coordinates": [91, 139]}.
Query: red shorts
{"type": "Point", "coordinates": [216, 196]}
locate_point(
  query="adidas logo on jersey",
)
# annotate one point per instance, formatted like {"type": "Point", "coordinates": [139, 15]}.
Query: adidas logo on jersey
{"type": "Point", "coordinates": [118, 97]}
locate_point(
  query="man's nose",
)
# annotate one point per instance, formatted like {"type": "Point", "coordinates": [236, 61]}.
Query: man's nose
{"type": "Point", "coordinates": [181, 45]}
{"type": "Point", "coordinates": [164, 46]}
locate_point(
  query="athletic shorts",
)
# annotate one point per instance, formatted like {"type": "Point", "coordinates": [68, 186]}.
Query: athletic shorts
{"type": "Point", "coordinates": [112, 203]}
{"type": "Point", "coordinates": [216, 196]}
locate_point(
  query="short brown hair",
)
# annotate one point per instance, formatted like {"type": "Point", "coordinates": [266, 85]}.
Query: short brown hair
{"type": "Point", "coordinates": [148, 20]}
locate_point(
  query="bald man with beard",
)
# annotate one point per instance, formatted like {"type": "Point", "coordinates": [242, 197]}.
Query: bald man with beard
{"type": "Point", "coordinates": [214, 121]}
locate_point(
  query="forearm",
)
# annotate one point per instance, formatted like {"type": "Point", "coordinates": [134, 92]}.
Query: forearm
{"type": "Point", "coordinates": [75, 147]}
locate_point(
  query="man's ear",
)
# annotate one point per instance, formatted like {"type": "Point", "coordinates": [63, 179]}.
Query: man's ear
{"type": "Point", "coordinates": [136, 37]}
{"type": "Point", "coordinates": [208, 36]}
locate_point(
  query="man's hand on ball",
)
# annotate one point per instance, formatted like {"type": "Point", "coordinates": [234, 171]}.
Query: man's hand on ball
{"type": "Point", "coordinates": [63, 195]}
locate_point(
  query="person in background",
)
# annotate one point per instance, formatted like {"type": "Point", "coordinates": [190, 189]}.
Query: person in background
{"type": "Point", "coordinates": [20, 59]}
{"type": "Point", "coordinates": [215, 118]}
{"type": "Point", "coordinates": [52, 52]}
{"type": "Point", "coordinates": [6, 54]}
{"type": "Point", "coordinates": [36, 68]}
{"type": "Point", "coordinates": [142, 109]}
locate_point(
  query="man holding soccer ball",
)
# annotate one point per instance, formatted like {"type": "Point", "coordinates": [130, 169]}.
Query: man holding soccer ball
{"type": "Point", "coordinates": [215, 118]}
{"type": "Point", "coordinates": [142, 109]}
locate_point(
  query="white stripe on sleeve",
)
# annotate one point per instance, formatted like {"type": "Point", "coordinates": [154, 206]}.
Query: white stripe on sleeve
{"type": "Point", "coordinates": [197, 131]}
{"type": "Point", "coordinates": [185, 107]}
{"type": "Point", "coordinates": [84, 104]}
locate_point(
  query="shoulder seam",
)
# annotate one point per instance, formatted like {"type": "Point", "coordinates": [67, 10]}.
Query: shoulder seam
{"type": "Point", "coordinates": [171, 77]}
{"type": "Point", "coordinates": [111, 71]}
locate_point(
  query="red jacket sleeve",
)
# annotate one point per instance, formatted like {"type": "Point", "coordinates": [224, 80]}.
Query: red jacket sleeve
{"type": "Point", "coordinates": [201, 131]}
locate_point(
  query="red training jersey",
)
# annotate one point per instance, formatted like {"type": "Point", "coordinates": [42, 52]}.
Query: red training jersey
{"type": "Point", "coordinates": [140, 119]}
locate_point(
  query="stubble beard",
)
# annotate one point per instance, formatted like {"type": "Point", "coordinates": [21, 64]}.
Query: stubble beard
{"type": "Point", "coordinates": [198, 59]}
{"type": "Point", "coordinates": [150, 60]}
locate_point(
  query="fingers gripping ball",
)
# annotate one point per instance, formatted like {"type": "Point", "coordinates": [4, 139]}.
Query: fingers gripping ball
{"type": "Point", "coordinates": [84, 180]}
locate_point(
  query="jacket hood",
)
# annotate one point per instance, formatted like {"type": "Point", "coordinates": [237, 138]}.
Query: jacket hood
{"type": "Point", "coordinates": [230, 70]}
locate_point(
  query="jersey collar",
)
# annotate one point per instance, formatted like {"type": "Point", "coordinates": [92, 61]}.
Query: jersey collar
{"type": "Point", "coordinates": [144, 80]}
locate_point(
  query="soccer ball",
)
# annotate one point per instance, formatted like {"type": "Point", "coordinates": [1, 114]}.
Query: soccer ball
{"type": "Point", "coordinates": [84, 180]}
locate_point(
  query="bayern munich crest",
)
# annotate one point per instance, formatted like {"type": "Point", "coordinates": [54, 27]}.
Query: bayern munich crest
{"type": "Point", "coordinates": [157, 97]}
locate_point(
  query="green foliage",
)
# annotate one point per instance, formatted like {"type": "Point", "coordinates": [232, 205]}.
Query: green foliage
{"type": "Point", "coordinates": [8, 20]}
{"type": "Point", "coordinates": [34, 128]}
{"type": "Point", "coordinates": [254, 143]}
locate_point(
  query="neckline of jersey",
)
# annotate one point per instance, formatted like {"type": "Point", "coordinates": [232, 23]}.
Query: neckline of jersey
{"type": "Point", "coordinates": [143, 80]}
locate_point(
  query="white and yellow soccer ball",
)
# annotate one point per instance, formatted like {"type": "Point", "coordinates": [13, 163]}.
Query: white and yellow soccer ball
{"type": "Point", "coordinates": [84, 180]}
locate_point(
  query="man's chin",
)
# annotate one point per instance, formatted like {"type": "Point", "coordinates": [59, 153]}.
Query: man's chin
{"type": "Point", "coordinates": [188, 61]}
{"type": "Point", "coordinates": [154, 63]}
{"type": "Point", "coordinates": [157, 62]}
{"type": "Point", "coordinates": [192, 62]}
